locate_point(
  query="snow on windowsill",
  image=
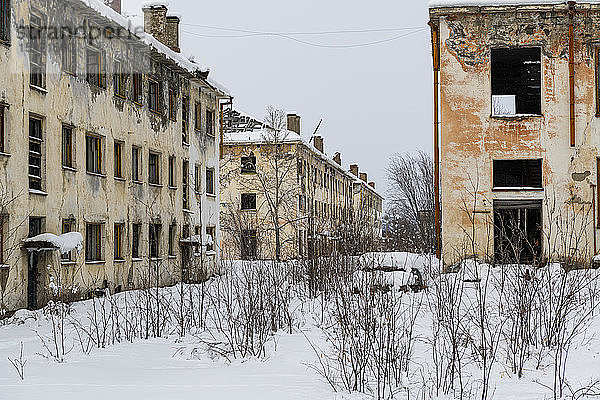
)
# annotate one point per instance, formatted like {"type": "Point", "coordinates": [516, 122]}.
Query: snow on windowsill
{"type": "Point", "coordinates": [38, 192]}
{"type": "Point", "coordinates": [517, 188]}
{"type": "Point", "coordinates": [64, 243]}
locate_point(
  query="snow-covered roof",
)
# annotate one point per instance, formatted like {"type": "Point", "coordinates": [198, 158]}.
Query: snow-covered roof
{"type": "Point", "coordinates": [179, 59]}
{"type": "Point", "coordinates": [64, 243]}
{"type": "Point", "coordinates": [491, 3]}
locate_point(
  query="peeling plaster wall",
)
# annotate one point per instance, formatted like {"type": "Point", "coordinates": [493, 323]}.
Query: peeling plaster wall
{"type": "Point", "coordinates": [471, 138]}
{"type": "Point", "coordinates": [73, 193]}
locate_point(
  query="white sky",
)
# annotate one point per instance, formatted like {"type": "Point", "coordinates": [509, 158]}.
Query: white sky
{"type": "Point", "coordinates": [374, 100]}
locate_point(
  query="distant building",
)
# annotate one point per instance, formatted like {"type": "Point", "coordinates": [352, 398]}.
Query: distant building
{"type": "Point", "coordinates": [108, 131]}
{"type": "Point", "coordinates": [517, 128]}
{"type": "Point", "coordinates": [319, 203]}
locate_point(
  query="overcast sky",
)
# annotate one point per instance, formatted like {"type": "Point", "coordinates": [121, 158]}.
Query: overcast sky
{"type": "Point", "coordinates": [374, 100]}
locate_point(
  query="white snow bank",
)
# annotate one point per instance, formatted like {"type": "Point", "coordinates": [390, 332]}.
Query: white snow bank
{"type": "Point", "coordinates": [64, 243]}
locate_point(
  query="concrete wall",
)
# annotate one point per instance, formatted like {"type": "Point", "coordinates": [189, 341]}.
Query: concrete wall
{"type": "Point", "coordinates": [471, 138]}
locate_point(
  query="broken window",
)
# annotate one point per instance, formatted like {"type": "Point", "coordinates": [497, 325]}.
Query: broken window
{"type": "Point", "coordinates": [517, 173]}
{"type": "Point", "coordinates": [210, 181]}
{"type": "Point", "coordinates": [93, 154]}
{"type": "Point", "coordinates": [185, 172]}
{"type": "Point", "coordinates": [37, 58]}
{"type": "Point", "coordinates": [67, 146]}
{"type": "Point", "coordinates": [248, 245]}
{"type": "Point", "coordinates": [153, 168]}
{"type": "Point", "coordinates": [516, 81]}
{"type": "Point", "coordinates": [249, 164]}
{"type": "Point", "coordinates": [4, 20]}
{"type": "Point", "coordinates": [248, 201]}
{"type": "Point", "coordinates": [95, 67]}
{"type": "Point", "coordinates": [517, 231]}
{"type": "Point", "coordinates": [35, 153]}
{"type": "Point", "coordinates": [185, 114]}
{"type": "Point", "coordinates": [153, 95]}
{"type": "Point", "coordinates": [93, 242]}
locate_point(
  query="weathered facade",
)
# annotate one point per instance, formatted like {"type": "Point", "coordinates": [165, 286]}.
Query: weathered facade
{"type": "Point", "coordinates": [517, 128]}
{"type": "Point", "coordinates": [103, 127]}
{"type": "Point", "coordinates": [318, 202]}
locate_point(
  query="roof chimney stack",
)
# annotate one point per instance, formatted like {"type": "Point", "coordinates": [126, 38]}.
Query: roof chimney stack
{"type": "Point", "coordinates": [318, 142]}
{"type": "Point", "coordinates": [372, 184]}
{"type": "Point", "coordinates": [155, 20]}
{"type": "Point", "coordinates": [173, 32]}
{"type": "Point", "coordinates": [114, 4]}
{"type": "Point", "coordinates": [354, 169]}
{"type": "Point", "coordinates": [363, 177]}
{"type": "Point", "coordinates": [293, 123]}
{"type": "Point", "coordinates": [338, 158]}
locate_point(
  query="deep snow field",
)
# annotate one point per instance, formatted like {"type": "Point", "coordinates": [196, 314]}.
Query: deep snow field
{"type": "Point", "coordinates": [171, 367]}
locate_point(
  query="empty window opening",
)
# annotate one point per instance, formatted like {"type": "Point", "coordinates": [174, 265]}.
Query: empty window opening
{"type": "Point", "coordinates": [135, 164]}
{"type": "Point", "coordinates": [93, 242]}
{"type": "Point", "coordinates": [154, 168]}
{"type": "Point", "coordinates": [249, 164]}
{"type": "Point", "coordinates": [136, 230]}
{"type": "Point", "coordinates": [35, 154]}
{"type": "Point", "coordinates": [37, 59]}
{"type": "Point", "coordinates": [153, 95]}
{"type": "Point", "coordinates": [67, 146]}
{"type": "Point", "coordinates": [155, 240]}
{"type": "Point", "coordinates": [517, 231]}
{"type": "Point", "coordinates": [118, 159]}
{"type": "Point", "coordinates": [93, 152]}
{"type": "Point", "coordinates": [4, 20]}
{"type": "Point", "coordinates": [210, 181]}
{"type": "Point", "coordinates": [248, 201]}
{"type": "Point", "coordinates": [516, 81]}
{"type": "Point", "coordinates": [248, 245]}
{"type": "Point", "coordinates": [518, 174]}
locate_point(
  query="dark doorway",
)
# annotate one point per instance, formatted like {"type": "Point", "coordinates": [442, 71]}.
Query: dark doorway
{"type": "Point", "coordinates": [249, 245]}
{"type": "Point", "coordinates": [517, 231]}
{"type": "Point", "coordinates": [33, 274]}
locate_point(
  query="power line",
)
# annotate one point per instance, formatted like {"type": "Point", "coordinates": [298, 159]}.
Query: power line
{"type": "Point", "coordinates": [372, 30]}
{"type": "Point", "coordinates": [290, 36]}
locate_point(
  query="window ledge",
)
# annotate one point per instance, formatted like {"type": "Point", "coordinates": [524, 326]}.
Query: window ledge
{"type": "Point", "coordinates": [137, 259]}
{"type": "Point", "coordinates": [137, 182]}
{"type": "Point", "coordinates": [73, 74]}
{"type": "Point", "coordinates": [2, 154]}
{"type": "Point", "coordinates": [517, 189]}
{"type": "Point", "coordinates": [95, 262]}
{"type": "Point", "coordinates": [70, 169]}
{"type": "Point", "coordinates": [119, 260]}
{"type": "Point", "coordinates": [248, 209]}
{"type": "Point", "coordinates": [173, 187]}
{"type": "Point", "coordinates": [119, 179]}
{"type": "Point", "coordinates": [155, 258]}
{"type": "Point", "coordinates": [211, 253]}
{"type": "Point", "coordinates": [38, 89]}
{"type": "Point", "coordinates": [186, 144]}
{"type": "Point", "coordinates": [187, 211]}
{"type": "Point", "coordinates": [120, 96]}
{"type": "Point", "coordinates": [156, 112]}
{"type": "Point", "coordinates": [211, 196]}
{"type": "Point", "coordinates": [67, 263]}
{"type": "Point", "coordinates": [516, 117]}
{"type": "Point", "coordinates": [38, 192]}
{"type": "Point", "coordinates": [156, 185]}
{"type": "Point", "coordinates": [96, 174]}
{"type": "Point", "coordinates": [172, 257]}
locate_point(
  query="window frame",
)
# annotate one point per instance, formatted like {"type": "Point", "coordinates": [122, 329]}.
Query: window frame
{"type": "Point", "coordinates": [118, 159]}
{"type": "Point", "coordinates": [3, 113]}
{"type": "Point", "coordinates": [67, 153]}
{"type": "Point", "coordinates": [185, 119]}
{"type": "Point", "coordinates": [197, 179]}
{"type": "Point", "coordinates": [136, 164]}
{"type": "Point", "coordinates": [38, 64]}
{"type": "Point", "coordinates": [248, 201]}
{"type": "Point", "coordinates": [497, 175]}
{"type": "Point", "coordinates": [68, 53]}
{"type": "Point", "coordinates": [154, 89]}
{"type": "Point", "coordinates": [172, 172]}
{"type": "Point", "coordinates": [95, 253]}
{"type": "Point", "coordinates": [172, 239]}
{"type": "Point", "coordinates": [119, 80]}
{"type": "Point", "coordinates": [67, 225]}
{"type": "Point", "coordinates": [172, 102]}
{"type": "Point", "coordinates": [198, 116]}
{"type": "Point", "coordinates": [137, 86]}
{"type": "Point", "coordinates": [118, 235]}
{"type": "Point", "coordinates": [38, 141]}
{"type": "Point", "coordinates": [136, 235]}
{"type": "Point", "coordinates": [210, 181]}
{"type": "Point", "coordinates": [250, 160]}
{"type": "Point", "coordinates": [98, 157]}
{"type": "Point", "coordinates": [210, 123]}
{"type": "Point", "coordinates": [154, 174]}
{"type": "Point", "coordinates": [210, 231]}
{"type": "Point", "coordinates": [154, 239]}
{"type": "Point", "coordinates": [97, 77]}
{"type": "Point", "coordinates": [185, 170]}
{"type": "Point", "coordinates": [5, 21]}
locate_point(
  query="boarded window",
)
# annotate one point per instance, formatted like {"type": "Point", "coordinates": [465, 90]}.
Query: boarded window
{"type": "Point", "coordinates": [93, 154]}
{"type": "Point", "coordinates": [518, 173]}
{"type": "Point", "coordinates": [93, 242]}
{"type": "Point", "coordinates": [37, 48]}
{"type": "Point", "coordinates": [248, 201]}
{"type": "Point", "coordinates": [67, 146]}
{"type": "Point", "coordinates": [35, 153]}
{"type": "Point", "coordinates": [5, 20]}
{"type": "Point", "coordinates": [516, 81]}
{"type": "Point", "coordinates": [249, 164]}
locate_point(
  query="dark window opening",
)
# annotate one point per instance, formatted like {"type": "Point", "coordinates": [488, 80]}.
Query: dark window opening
{"type": "Point", "coordinates": [172, 232]}
{"type": "Point", "coordinates": [172, 171]}
{"type": "Point", "coordinates": [198, 115]}
{"type": "Point", "coordinates": [516, 81]}
{"type": "Point", "coordinates": [69, 53]}
{"type": "Point", "coordinates": [248, 201]}
{"type": "Point", "coordinates": [172, 109]}
{"type": "Point", "coordinates": [185, 114]}
{"type": "Point", "coordinates": [95, 68]}
{"type": "Point", "coordinates": [5, 20]}
{"type": "Point", "coordinates": [35, 154]}
{"type": "Point", "coordinates": [154, 240]}
{"type": "Point", "coordinates": [184, 184]}
{"type": "Point", "coordinates": [2, 129]}
{"type": "Point", "coordinates": [67, 146]}
{"type": "Point", "coordinates": [517, 231]}
{"type": "Point", "coordinates": [118, 238]}
{"type": "Point", "coordinates": [210, 237]}
{"type": "Point", "coordinates": [118, 159]}
{"type": "Point", "coordinates": [518, 173]}
{"type": "Point", "coordinates": [136, 230]}
{"type": "Point", "coordinates": [93, 242]}
{"type": "Point", "coordinates": [93, 153]}
{"type": "Point", "coordinates": [210, 181]}
{"type": "Point", "coordinates": [153, 96]}
{"type": "Point", "coordinates": [37, 58]}
{"type": "Point", "coordinates": [197, 186]}
{"type": "Point", "coordinates": [136, 90]}
{"type": "Point", "coordinates": [135, 164]}
{"type": "Point", "coordinates": [119, 80]}
{"type": "Point", "coordinates": [248, 245]}
{"type": "Point", "coordinates": [249, 164]}
{"type": "Point", "coordinates": [153, 168]}
{"type": "Point", "coordinates": [210, 123]}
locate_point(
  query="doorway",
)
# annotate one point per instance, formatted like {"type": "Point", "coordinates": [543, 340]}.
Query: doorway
{"type": "Point", "coordinates": [517, 231]}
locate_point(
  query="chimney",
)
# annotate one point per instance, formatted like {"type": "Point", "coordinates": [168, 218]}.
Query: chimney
{"type": "Point", "coordinates": [337, 158]}
{"type": "Point", "coordinates": [363, 177]}
{"type": "Point", "coordinates": [354, 169]}
{"type": "Point", "coordinates": [293, 123]}
{"type": "Point", "coordinates": [114, 4]}
{"type": "Point", "coordinates": [372, 184]}
{"type": "Point", "coordinates": [155, 20]}
{"type": "Point", "coordinates": [318, 142]}
{"type": "Point", "coordinates": [173, 32]}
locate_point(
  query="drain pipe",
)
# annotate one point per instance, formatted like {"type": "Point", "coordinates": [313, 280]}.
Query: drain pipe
{"type": "Point", "coordinates": [435, 40]}
{"type": "Point", "coordinates": [571, 73]}
{"type": "Point", "coordinates": [594, 218]}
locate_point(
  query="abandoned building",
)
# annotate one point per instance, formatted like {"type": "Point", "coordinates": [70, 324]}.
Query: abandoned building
{"type": "Point", "coordinates": [119, 126]}
{"type": "Point", "coordinates": [272, 174]}
{"type": "Point", "coordinates": [516, 129]}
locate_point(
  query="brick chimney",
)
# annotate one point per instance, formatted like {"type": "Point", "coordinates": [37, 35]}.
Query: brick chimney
{"type": "Point", "coordinates": [293, 123]}
{"type": "Point", "coordinates": [155, 21]}
{"type": "Point", "coordinates": [354, 169]}
{"type": "Point", "coordinates": [318, 143]}
{"type": "Point", "coordinates": [114, 4]}
{"type": "Point", "coordinates": [338, 158]}
{"type": "Point", "coordinates": [372, 184]}
{"type": "Point", "coordinates": [363, 177]}
{"type": "Point", "coordinates": [173, 32]}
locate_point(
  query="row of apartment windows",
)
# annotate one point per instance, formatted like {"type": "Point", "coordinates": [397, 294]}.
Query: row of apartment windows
{"type": "Point", "coordinates": [95, 237]}
{"type": "Point", "coordinates": [323, 178]}
{"type": "Point", "coordinates": [95, 159]}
